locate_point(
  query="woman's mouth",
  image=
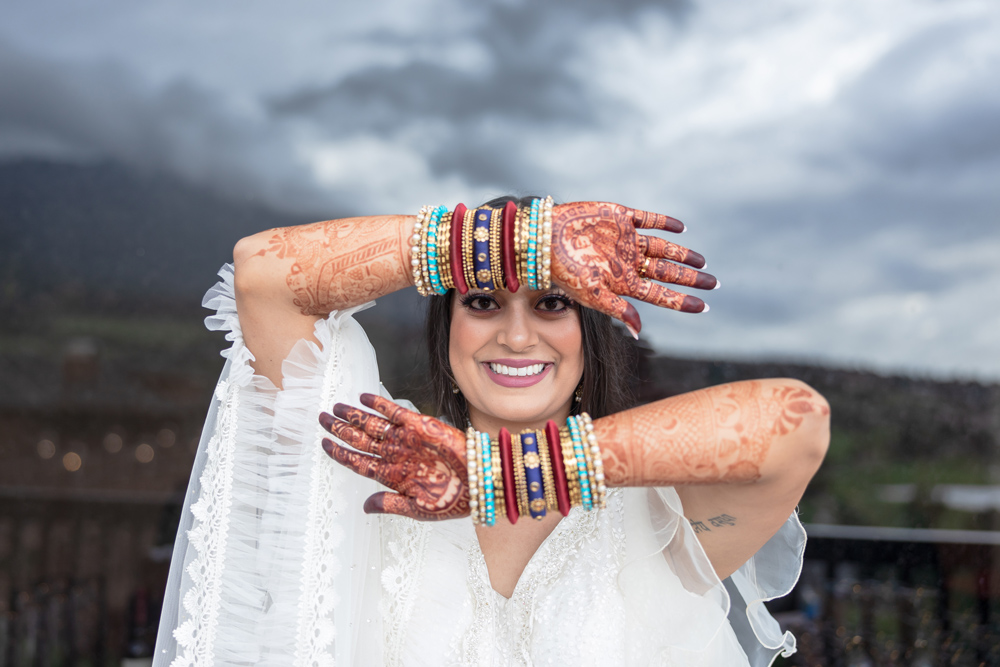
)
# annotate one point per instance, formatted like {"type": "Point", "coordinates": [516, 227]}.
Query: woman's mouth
{"type": "Point", "coordinates": [517, 372]}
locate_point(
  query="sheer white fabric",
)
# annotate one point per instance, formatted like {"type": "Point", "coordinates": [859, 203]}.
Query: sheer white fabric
{"type": "Point", "coordinates": [276, 564]}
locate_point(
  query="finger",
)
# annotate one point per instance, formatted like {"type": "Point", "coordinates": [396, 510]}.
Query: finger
{"type": "Point", "coordinates": [658, 295]}
{"type": "Point", "coordinates": [363, 464]}
{"type": "Point", "coordinates": [654, 246]}
{"type": "Point", "coordinates": [647, 220]}
{"type": "Point", "coordinates": [668, 272]}
{"type": "Point", "coordinates": [373, 425]}
{"type": "Point", "coordinates": [355, 438]}
{"type": "Point", "coordinates": [393, 412]}
{"type": "Point", "coordinates": [611, 304]}
{"type": "Point", "coordinates": [385, 502]}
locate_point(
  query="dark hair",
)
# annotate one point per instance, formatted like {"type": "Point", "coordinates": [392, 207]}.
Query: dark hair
{"type": "Point", "coordinates": [609, 357]}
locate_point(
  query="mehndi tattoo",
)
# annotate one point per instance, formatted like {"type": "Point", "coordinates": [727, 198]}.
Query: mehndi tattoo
{"type": "Point", "coordinates": [340, 263]}
{"type": "Point", "coordinates": [719, 434]}
{"type": "Point", "coordinates": [419, 457]}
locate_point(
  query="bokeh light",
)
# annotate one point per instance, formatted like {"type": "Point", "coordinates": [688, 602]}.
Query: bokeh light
{"type": "Point", "coordinates": [144, 453]}
{"type": "Point", "coordinates": [112, 443]}
{"type": "Point", "coordinates": [46, 448]}
{"type": "Point", "coordinates": [72, 461]}
{"type": "Point", "coordinates": [166, 437]}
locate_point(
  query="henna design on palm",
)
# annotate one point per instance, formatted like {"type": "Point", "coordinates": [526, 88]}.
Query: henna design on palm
{"type": "Point", "coordinates": [421, 458]}
{"type": "Point", "coordinates": [597, 255]}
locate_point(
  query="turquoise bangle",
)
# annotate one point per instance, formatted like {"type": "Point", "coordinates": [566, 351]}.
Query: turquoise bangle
{"type": "Point", "coordinates": [581, 463]}
{"type": "Point", "coordinates": [432, 250]}
{"type": "Point", "coordinates": [491, 509]}
{"type": "Point", "coordinates": [532, 245]}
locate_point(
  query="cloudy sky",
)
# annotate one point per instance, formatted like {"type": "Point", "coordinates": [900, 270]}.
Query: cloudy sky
{"type": "Point", "coordinates": [837, 161]}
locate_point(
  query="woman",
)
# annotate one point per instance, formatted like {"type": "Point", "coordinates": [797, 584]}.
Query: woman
{"type": "Point", "coordinates": [279, 566]}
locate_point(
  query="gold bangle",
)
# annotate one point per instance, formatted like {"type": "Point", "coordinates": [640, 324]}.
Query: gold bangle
{"type": "Point", "coordinates": [548, 481]}
{"type": "Point", "coordinates": [569, 463]}
{"type": "Point", "coordinates": [545, 266]}
{"type": "Point", "coordinates": [496, 265]}
{"type": "Point", "coordinates": [523, 215]}
{"type": "Point", "coordinates": [590, 443]}
{"type": "Point", "coordinates": [500, 509]}
{"type": "Point", "coordinates": [415, 261]}
{"type": "Point", "coordinates": [444, 251]}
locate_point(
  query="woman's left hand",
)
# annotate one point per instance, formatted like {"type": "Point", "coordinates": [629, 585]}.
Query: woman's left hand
{"type": "Point", "coordinates": [419, 457]}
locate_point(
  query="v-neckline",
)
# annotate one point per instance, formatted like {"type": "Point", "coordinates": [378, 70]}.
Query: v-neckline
{"type": "Point", "coordinates": [545, 545]}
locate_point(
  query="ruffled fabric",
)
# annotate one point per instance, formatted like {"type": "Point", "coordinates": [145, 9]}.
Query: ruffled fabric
{"type": "Point", "coordinates": [275, 564]}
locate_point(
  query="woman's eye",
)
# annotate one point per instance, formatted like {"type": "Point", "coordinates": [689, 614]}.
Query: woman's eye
{"type": "Point", "coordinates": [553, 303]}
{"type": "Point", "coordinates": [480, 302]}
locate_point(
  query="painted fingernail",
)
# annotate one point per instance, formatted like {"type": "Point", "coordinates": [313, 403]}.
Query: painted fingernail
{"type": "Point", "coordinates": [718, 284]}
{"type": "Point", "coordinates": [706, 308]}
{"type": "Point", "coordinates": [705, 281]}
{"type": "Point", "coordinates": [328, 446]}
{"type": "Point", "coordinates": [631, 319]}
{"type": "Point", "coordinates": [340, 409]}
{"type": "Point", "coordinates": [375, 504]}
{"type": "Point", "coordinates": [632, 331]}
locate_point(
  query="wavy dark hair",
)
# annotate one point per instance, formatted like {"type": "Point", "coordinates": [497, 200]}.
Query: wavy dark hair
{"type": "Point", "coordinates": [609, 356]}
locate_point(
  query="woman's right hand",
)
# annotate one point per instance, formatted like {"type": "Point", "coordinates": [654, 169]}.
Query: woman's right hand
{"type": "Point", "coordinates": [598, 257]}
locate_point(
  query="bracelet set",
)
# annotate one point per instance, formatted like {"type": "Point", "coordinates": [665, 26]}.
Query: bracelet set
{"type": "Point", "coordinates": [483, 248]}
{"type": "Point", "coordinates": [534, 472]}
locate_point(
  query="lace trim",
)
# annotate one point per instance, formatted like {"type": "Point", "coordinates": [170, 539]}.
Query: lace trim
{"type": "Point", "coordinates": [320, 564]}
{"type": "Point", "coordinates": [196, 636]}
{"type": "Point", "coordinates": [405, 549]}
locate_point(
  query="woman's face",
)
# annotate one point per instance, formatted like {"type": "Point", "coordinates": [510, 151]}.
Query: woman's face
{"type": "Point", "coordinates": [517, 357]}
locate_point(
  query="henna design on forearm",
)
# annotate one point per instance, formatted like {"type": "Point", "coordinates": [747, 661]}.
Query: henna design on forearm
{"type": "Point", "coordinates": [340, 263]}
{"type": "Point", "coordinates": [421, 458]}
{"type": "Point", "coordinates": [719, 434]}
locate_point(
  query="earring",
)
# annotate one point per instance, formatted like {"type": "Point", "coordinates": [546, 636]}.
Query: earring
{"type": "Point", "coordinates": [578, 394]}
{"type": "Point", "coordinates": [454, 387]}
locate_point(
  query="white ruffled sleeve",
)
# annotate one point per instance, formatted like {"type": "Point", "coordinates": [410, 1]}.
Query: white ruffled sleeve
{"type": "Point", "coordinates": [271, 560]}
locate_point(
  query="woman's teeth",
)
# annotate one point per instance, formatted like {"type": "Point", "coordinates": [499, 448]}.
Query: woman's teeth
{"type": "Point", "coordinates": [500, 369]}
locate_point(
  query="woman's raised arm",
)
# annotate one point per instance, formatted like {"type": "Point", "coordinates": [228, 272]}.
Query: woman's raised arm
{"type": "Point", "coordinates": [287, 278]}
{"type": "Point", "coordinates": [740, 454]}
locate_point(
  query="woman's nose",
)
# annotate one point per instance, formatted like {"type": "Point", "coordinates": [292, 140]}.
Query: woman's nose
{"type": "Point", "coordinates": [517, 331]}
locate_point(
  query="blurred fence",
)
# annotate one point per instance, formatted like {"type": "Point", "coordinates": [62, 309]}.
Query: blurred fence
{"type": "Point", "coordinates": [896, 596]}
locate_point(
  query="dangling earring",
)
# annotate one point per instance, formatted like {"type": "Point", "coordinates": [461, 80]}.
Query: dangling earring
{"type": "Point", "coordinates": [578, 394]}
{"type": "Point", "coordinates": [454, 387]}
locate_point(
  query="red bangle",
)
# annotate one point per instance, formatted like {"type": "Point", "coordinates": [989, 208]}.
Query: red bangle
{"type": "Point", "coordinates": [558, 468]}
{"type": "Point", "coordinates": [456, 249]}
{"type": "Point", "coordinates": [507, 471]}
{"type": "Point", "coordinates": [509, 274]}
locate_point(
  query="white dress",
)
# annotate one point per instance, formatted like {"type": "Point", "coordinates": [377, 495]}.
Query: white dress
{"type": "Point", "coordinates": [276, 564]}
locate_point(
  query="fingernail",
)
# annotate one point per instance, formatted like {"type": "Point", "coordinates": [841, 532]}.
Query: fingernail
{"type": "Point", "coordinates": [328, 446]}
{"type": "Point", "coordinates": [340, 410]}
{"type": "Point", "coordinates": [631, 319]}
{"type": "Point", "coordinates": [684, 228]}
{"type": "Point", "coordinates": [707, 308]}
{"type": "Point", "coordinates": [632, 331]}
{"type": "Point", "coordinates": [718, 284]}
{"type": "Point", "coordinates": [375, 504]}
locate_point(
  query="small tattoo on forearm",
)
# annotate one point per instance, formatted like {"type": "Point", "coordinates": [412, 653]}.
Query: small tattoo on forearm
{"type": "Point", "coordinates": [699, 527]}
{"type": "Point", "coordinates": [722, 520]}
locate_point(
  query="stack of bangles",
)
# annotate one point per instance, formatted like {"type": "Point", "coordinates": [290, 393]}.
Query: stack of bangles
{"type": "Point", "coordinates": [534, 472]}
{"type": "Point", "coordinates": [483, 248]}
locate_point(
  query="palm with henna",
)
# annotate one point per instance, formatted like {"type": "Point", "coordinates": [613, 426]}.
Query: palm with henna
{"type": "Point", "coordinates": [598, 257]}
{"type": "Point", "coordinates": [421, 458]}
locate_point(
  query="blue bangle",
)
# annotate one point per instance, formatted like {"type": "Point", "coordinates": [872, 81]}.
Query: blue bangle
{"type": "Point", "coordinates": [491, 508]}
{"type": "Point", "coordinates": [581, 463]}
{"type": "Point", "coordinates": [432, 250]}
{"type": "Point", "coordinates": [481, 249]}
{"type": "Point", "coordinates": [533, 475]}
{"type": "Point", "coordinates": [532, 245]}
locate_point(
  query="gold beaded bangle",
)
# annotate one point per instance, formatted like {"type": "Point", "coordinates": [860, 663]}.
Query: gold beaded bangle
{"type": "Point", "coordinates": [415, 248]}
{"type": "Point", "coordinates": [444, 251]}
{"type": "Point", "coordinates": [520, 483]}
{"type": "Point", "coordinates": [548, 481]}
{"type": "Point", "coordinates": [601, 488]}
{"type": "Point", "coordinates": [588, 457]}
{"type": "Point", "coordinates": [498, 490]}
{"type": "Point", "coordinates": [424, 266]}
{"type": "Point", "coordinates": [545, 266]}
{"type": "Point", "coordinates": [569, 462]}
{"type": "Point", "coordinates": [473, 468]}
{"type": "Point", "coordinates": [468, 267]}
{"type": "Point", "coordinates": [482, 477]}
{"type": "Point", "coordinates": [517, 244]}
{"type": "Point", "coordinates": [524, 214]}
{"type": "Point", "coordinates": [496, 265]}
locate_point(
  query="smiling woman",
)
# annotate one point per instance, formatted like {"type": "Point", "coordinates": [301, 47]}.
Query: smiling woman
{"type": "Point", "coordinates": [601, 533]}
